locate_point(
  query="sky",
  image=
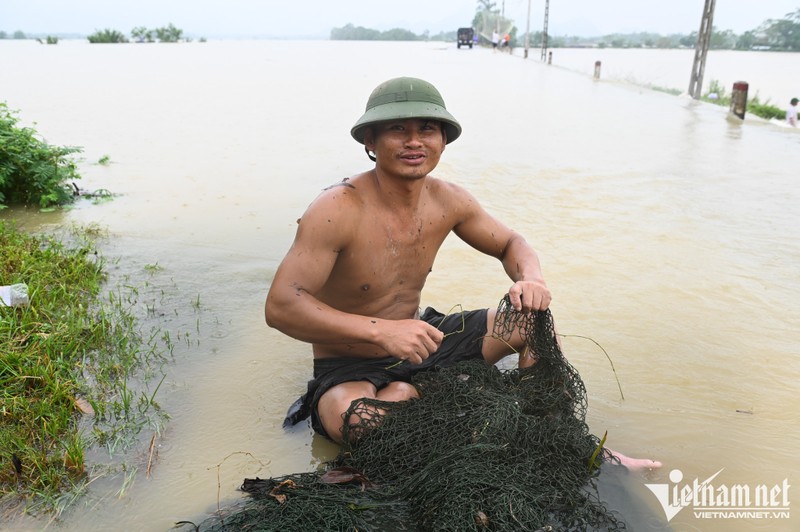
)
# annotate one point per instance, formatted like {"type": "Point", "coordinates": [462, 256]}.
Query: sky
{"type": "Point", "coordinates": [315, 18]}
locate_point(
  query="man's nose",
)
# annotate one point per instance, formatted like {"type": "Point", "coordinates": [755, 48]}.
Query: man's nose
{"type": "Point", "coordinates": [413, 138]}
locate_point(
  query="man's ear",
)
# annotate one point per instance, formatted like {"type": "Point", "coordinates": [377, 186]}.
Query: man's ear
{"type": "Point", "coordinates": [369, 143]}
{"type": "Point", "coordinates": [369, 139]}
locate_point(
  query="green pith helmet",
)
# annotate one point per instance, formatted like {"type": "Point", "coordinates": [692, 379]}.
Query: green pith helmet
{"type": "Point", "coordinates": [402, 98]}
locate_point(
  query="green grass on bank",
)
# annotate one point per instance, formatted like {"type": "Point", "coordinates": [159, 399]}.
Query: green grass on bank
{"type": "Point", "coordinates": [717, 95]}
{"type": "Point", "coordinates": [70, 362]}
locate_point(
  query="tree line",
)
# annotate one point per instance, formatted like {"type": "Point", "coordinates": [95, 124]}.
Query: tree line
{"type": "Point", "coordinates": [360, 33]}
{"type": "Point", "coordinates": [776, 35]}
{"type": "Point", "coordinates": [779, 35]}
{"type": "Point", "coordinates": [168, 33]}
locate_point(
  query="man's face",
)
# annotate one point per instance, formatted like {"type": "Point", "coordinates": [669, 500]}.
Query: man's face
{"type": "Point", "coordinates": [408, 148]}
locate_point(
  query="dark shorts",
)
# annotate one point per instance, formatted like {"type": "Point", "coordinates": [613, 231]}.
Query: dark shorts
{"type": "Point", "coordinates": [463, 340]}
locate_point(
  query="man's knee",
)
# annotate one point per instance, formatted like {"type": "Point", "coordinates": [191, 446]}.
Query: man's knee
{"type": "Point", "coordinates": [398, 391]}
{"type": "Point", "coordinates": [335, 402]}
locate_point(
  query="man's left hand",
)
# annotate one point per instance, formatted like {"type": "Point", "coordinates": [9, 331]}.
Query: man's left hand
{"type": "Point", "coordinates": [528, 296]}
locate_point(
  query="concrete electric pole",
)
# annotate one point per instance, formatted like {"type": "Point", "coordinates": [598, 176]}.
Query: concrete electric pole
{"type": "Point", "coordinates": [701, 49]}
{"type": "Point", "coordinates": [544, 31]}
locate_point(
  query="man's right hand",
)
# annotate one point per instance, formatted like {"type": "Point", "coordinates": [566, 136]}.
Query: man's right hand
{"type": "Point", "coordinates": [412, 340]}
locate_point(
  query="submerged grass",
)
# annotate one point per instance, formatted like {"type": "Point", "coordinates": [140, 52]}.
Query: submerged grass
{"type": "Point", "coordinates": [70, 361]}
{"type": "Point", "coordinates": [717, 95]}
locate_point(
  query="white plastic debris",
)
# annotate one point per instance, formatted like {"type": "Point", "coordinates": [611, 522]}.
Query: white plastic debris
{"type": "Point", "coordinates": [14, 295]}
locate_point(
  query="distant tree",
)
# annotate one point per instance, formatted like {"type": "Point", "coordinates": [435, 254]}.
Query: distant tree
{"type": "Point", "coordinates": [354, 33]}
{"type": "Point", "coordinates": [142, 34]}
{"type": "Point", "coordinates": [746, 41]}
{"type": "Point", "coordinates": [19, 34]}
{"type": "Point", "coordinates": [722, 40]}
{"type": "Point", "coordinates": [688, 40]}
{"type": "Point", "coordinates": [169, 34]}
{"type": "Point", "coordinates": [486, 19]}
{"type": "Point", "coordinates": [398, 34]}
{"type": "Point", "coordinates": [107, 36]}
{"type": "Point", "coordinates": [445, 36]}
{"type": "Point", "coordinates": [3, 35]}
{"type": "Point", "coordinates": [783, 34]}
{"type": "Point", "coordinates": [667, 42]}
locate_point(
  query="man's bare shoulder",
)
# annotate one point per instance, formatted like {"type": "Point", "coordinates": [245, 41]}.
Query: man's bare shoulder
{"type": "Point", "coordinates": [443, 187]}
{"type": "Point", "coordinates": [345, 194]}
{"type": "Point", "coordinates": [449, 194]}
{"type": "Point", "coordinates": [343, 183]}
{"type": "Point", "coordinates": [335, 212]}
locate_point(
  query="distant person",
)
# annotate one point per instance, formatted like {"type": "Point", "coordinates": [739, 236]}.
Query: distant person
{"type": "Point", "coordinates": [495, 40]}
{"type": "Point", "coordinates": [791, 113]}
{"type": "Point", "coordinates": [507, 42]}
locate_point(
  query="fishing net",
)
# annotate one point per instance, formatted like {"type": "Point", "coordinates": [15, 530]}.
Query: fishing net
{"type": "Point", "coordinates": [491, 21]}
{"type": "Point", "coordinates": [481, 449]}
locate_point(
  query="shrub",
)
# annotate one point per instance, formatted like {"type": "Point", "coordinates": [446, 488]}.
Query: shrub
{"type": "Point", "coordinates": [107, 36]}
{"type": "Point", "coordinates": [32, 171]}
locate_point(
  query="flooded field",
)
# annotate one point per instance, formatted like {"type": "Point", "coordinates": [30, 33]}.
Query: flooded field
{"type": "Point", "coordinates": [667, 233]}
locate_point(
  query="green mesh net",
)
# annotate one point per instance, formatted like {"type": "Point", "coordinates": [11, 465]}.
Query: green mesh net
{"type": "Point", "coordinates": [481, 449]}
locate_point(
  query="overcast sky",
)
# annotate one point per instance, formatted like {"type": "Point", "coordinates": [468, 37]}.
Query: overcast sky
{"type": "Point", "coordinates": [315, 18]}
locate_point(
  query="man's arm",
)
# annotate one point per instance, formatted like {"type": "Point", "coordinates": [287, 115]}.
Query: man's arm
{"type": "Point", "coordinates": [292, 305]}
{"type": "Point", "coordinates": [485, 233]}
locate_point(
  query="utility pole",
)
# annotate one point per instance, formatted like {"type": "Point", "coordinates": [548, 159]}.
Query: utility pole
{"type": "Point", "coordinates": [528, 31]}
{"type": "Point", "coordinates": [544, 31]}
{"type": "Point", "coordinates": [701, 50]}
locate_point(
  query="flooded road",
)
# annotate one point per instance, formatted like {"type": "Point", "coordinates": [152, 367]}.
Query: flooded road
{"type": "Point", "coordinates": [667, 234]}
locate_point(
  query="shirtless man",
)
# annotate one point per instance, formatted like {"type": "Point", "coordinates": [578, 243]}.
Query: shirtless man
{"type": "Point", "coordinates": [351, 282]}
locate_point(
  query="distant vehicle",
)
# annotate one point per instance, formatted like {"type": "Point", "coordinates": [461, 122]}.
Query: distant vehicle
{"type": "Point", "coordinates": [465, 36]}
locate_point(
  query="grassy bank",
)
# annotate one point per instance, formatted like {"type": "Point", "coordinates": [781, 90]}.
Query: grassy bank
{"type": "Point", "coordinates": [71, 362]}
{"type": "Point", "coordinates": [717, 95]}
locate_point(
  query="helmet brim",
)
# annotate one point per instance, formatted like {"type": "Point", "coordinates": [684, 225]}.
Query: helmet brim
{"type": "Point", "coordinates": [405, 110]}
